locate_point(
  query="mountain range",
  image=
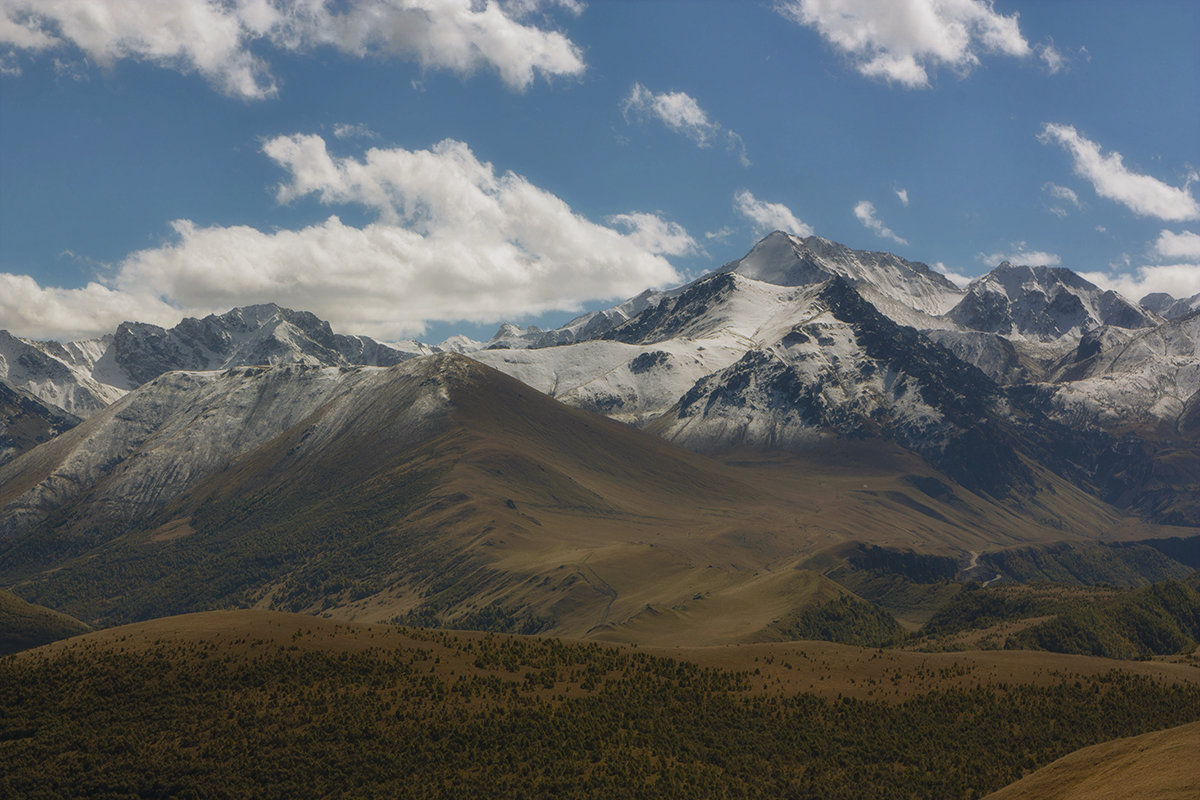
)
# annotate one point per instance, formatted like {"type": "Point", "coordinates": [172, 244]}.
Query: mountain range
{"type": "Point", "coordinates": [692, 459]}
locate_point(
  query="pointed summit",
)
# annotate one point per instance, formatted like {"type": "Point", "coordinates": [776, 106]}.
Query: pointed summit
{"type": "Point", "coordinates": [787, 260]}
{"type": "Point", "coordinates": [1043, 304]}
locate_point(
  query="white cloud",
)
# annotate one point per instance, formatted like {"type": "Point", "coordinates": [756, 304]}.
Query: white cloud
{"type": "Point", "coordinates": [454, 240]}
{"type": "Point", "coordinates": [356, 130]}
{"type": "Point", "coordinates": [1054, 60]}
{"type": "Point", "coordinates": [957, 278]}
{"type": "Point", "coordinates": [902, 41]}
{"type": "Point", "coordinates": [24, 31]}
{"type": "Point", "coordinates": [524, 8]}
{"type": "Point", "coordinates": [1180, 277]}
{"type": "Point", "coordinates": [681, 113]}
{"type": "Point", "coordinates": [1142, 194]}
{"type": "Point", "coordinates": [736, 146]}
{"type": "Point", "coordinates": [864, 210]}
{"type": "Point", "coordinates": [721, 234]}
{"type": "Point", "coordinates": [767, 217]}
{"type": "Point", "coordinates": [1177, 280]}
{"type": "Point", "coordinates": [1061, 193]}
{"type": "Point", "coordinates": [214, 39]}
{"type": "Point", "coordinates": [1021, 256]}
{"type": "Point", "coordinates": [1178, 245]}
{"type": "Point", "coordinates": [654, 234]}
{"type": "Point", "coordinates": [903, 195]}
{"type": "Point", "coordinates": [28, 309]}
{"type": "Point", "coordinates": [1062, 199]}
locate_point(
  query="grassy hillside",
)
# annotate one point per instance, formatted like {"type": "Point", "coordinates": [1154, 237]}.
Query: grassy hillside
{"type": "Point", "coordinates": [508, 511]}
{"type": "Point", "coordinates": [1160, 619]}
{"type": "Point", "coordinates": [24, 625]}
{"type": "Point", "coordinates": [1087, 563]}
{"type": "Point", "coordinates": [1160, 765]}
{"type": "Point", "coordinates": [242, 704]}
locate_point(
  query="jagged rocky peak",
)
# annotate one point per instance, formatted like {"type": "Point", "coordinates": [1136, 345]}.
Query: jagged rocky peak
{"type": "Point", "coordinates": [1043, 303]}
{"type": "Point", "coordinates": [73, 377]}
{"type": "Point", "coordinates": [83, 377]}
{"type": "Point", "coordinates": [509, 330]}
{"type": "Point", "coordinates": [788, 260]}
{"type": "Point", "coordinates": [849, 370]}
{"type": "Point", "coordinates": [257, 334]}
{"type": "Point", "coordinates": [1170, 307]}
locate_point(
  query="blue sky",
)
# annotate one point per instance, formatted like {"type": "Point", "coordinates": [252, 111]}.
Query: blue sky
{"type": "Point", "coordinates": [426, 167]}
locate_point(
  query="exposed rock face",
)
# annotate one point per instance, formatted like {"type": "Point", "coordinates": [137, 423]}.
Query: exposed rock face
{"type": "Point", "coordinates": [1042, 304]}
{"type": "Point", "coordinates": [83, 377]}
{"type": "Point", "coordinates": [174, 431]}
{"type": "Point", "coordinates": [74, 376]}
{"type": "Point", "coordinates": [1169, 307]}
{"type": "Point", "coordinates": [800, 340]}
{"type": "Point", "coordinates": [851, 371]}
{"type": "Point", "coordinates": [26, 422]}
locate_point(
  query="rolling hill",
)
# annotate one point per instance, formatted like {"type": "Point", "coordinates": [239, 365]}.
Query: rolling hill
{"type": "Point", "coordinates": [24, 625]}
{"type": "Point", "coordinates": [1160, 764]}
{"type": "Point", "coordinates": [252, 703]}
{"type": "Point", "coordinates": [439, 491]}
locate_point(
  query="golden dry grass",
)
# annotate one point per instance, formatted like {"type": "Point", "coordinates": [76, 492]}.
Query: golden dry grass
{"type": "Point", "coordinates": [1161, 765]}
{"type": "Point", "coordinates": [774, 668]}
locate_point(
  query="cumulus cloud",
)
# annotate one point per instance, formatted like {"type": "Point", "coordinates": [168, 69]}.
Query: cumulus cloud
{"type": "Point", "coordinates": [767, 217]}
{"type": "Point", "coordinates": [1177, 280]}
{"type": "Point", "coordinates": [215, 39]}
{"type": "Point", "coordinates": [1142, 194]}
{"type": "Point", "coordinates": [681, 113]}
{"type": "Point", "coordinates": [902, 41]}
{"type": "Point", "coordinates": [1021, 256]}
{"type": "Point", "coordinates": [453, 239]}
{"type": "Point", "coordinates": [1179, 276]}
{"type": "Point", "coordinates": [864, 211]}
{"type": "Point", "coordinates": [1178, 245]}
{"type": "Point", "coordinates": [655, 234]}
{"type": "Point", "coordinates": [903, 195]}
{"type": "Point", "coordinates": [29, 309]}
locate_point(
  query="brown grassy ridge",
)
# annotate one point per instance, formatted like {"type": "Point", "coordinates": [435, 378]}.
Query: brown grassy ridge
{"type": "Point", "coordinates": [261, 704]}
{"type": "Point", "coordinates": [827, 669]}
{"type": "Point", "coordinates": [513, 506]}
{"type": "Point", "coordinates": [1162, 765]}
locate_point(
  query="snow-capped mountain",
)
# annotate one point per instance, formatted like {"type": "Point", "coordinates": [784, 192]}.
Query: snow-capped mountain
{"type": "Point", "coordinates": [1143, 381]}
{"type": "Point", "coordinates": [1169, 307]}
{"type": "Point", "coordinates": [83, 377]}
{"type": "Point", "coordinates": [847, 369]}
{"type": "Point", "coordinates": [801, 340]}
{"type": "Point", "coordinates": [75, 377]}
{"type": "Point", "coordinates": [253, 436]}
{"type": "Point", "coordinates": [179, 428]}
{"type": "Point", "coordinates": [784, 347]}
{"type": "Point", "coordinates": [439, 487]}
{"type": "Point", "coordinates": [892, 283]}
{"type": "Point", "coordinates": [1043, 304]}
{"type": "Point", "coordinates": [636, 360]}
